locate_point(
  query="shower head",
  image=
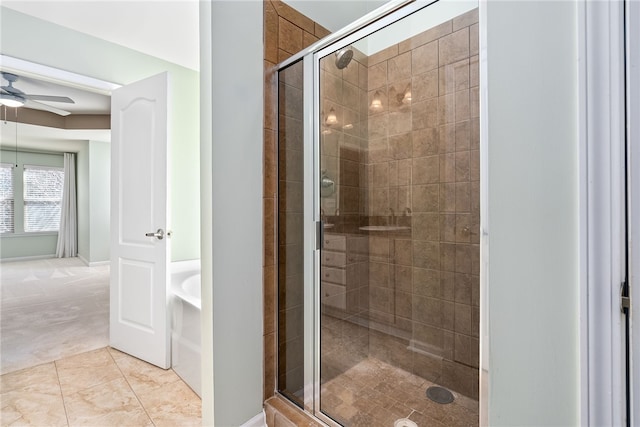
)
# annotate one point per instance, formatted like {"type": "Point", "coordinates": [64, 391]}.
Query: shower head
{"type": "Point", "coordinates": [343, 57]}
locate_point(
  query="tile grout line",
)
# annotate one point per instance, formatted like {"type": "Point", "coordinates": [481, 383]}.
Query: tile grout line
{"type": "Point", "coordinates": [64, 404]}
{"type": "Point", "coordinates": [412, 412]}
{"type": "Point", "coordinates": [130, 388]}
{"type": "Point", "coordinates": [459, 407]}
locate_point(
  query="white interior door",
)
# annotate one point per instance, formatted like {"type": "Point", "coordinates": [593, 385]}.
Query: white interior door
{"type": "Point", "coordinates": [140, 249]}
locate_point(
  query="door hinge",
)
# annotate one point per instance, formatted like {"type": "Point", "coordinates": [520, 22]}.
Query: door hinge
{"type": "Point", "coordinates": [625, 299]}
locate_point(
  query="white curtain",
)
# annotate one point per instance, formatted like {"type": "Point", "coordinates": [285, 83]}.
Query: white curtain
{"type": "Point", "coordinates": [67, 234]}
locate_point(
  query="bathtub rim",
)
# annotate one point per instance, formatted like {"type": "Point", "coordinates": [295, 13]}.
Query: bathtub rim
{"type": "Point", "coordinates": [182, 271]}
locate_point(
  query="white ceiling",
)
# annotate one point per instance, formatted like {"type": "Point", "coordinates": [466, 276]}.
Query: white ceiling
{"type": "Point", "coordinates": [85, 102]}
{"type": "Point", "coordinates": [164, 29]}
{"type": "Point", "coordinates": [40, 138]}
{"type": "Point", "coordinates": [167, 29]}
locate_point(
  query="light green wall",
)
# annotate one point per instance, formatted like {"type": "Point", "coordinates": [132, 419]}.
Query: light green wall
{"type": "Point", "coordinates": [83, 200]}
{"type": "Point", "coordinates": [533, 245]}
{"type": "Point", "coordinates": [99, 172]}
{"type": "Point", "coordinates": [206, 214]}
{"type": "Point", "coordinates": [43, 245]}
{"type": "Point", "coordinates": [22, 245]}
{"type": "Point", "coordinates": [93, 171]}
{"type": "Point", "coordinates": [38, 41]}
{"type": "Point", "coordinates": [236, 106]}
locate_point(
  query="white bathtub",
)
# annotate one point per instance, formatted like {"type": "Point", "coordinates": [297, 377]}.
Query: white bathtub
{"type": "Point", "coordinates": [185, 325]}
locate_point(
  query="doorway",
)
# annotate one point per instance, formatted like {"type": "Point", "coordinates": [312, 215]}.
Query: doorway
{"type": "Point", "coordinates": [53, 308]}
{"type": "Point", "coordinates": [93, 211]}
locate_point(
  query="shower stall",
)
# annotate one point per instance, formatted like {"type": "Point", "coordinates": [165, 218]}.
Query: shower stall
{"type": "Point", "coordinates": [379, 219]}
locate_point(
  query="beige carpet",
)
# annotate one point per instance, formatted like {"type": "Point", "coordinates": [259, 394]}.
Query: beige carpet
{"type": "Point", "coordinates": [51, 309]}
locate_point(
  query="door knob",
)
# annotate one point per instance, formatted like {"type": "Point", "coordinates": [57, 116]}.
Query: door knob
{"type": "Point", "coordinates": [158, 234]}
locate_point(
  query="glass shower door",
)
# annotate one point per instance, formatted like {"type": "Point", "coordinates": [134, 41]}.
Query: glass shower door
{"type": "Point", "coordinates": [398, 189]}
{"type": "Point", "coordinates": [291, 354]}
{"type": "Point", "coordinates": [344, 264]}
{"type": "Point", "coordinates": [378, 221]}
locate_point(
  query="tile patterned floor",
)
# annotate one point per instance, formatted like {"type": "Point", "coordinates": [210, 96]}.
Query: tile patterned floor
{"type": "Point", "coordinates": [375, 394]}
{"type": "Point", "coordinates": [57, 369]}
{"type": "Point", "coordinates": [366, 381]}
{"type": "Point", "coordinates": [102, 387]}
{"type": "Point", "coordinates": [51, 309]}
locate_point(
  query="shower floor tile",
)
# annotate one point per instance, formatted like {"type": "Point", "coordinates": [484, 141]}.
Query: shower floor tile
{"type": "Point", "coordinates": [360, 389]}
{"type": "Point", "coordinates": [64, 393]}
{"type": "Point", "coordinates": [375, 394]}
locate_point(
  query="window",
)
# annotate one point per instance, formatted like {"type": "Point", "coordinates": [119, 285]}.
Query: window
{"type": "Point", "coordinates": [42, 198]}
{"type": "Point", "coordinates": [6, 198]}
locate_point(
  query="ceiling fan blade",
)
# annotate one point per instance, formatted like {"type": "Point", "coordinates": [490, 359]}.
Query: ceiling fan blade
{"type": "Point", "coordinates": [40, 106]}
{"type": "Point", "coordinates": [50, 98]}
{"type": "Point", "coordinates": [11, 90]}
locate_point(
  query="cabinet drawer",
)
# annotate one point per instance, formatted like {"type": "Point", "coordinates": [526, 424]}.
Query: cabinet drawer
{"type": "Point", "coordinates": [333, 259]}
{"type": "Point", "coordinates": [334, 295]}
{"type": "Point", "coordinates": [334, 242]}
{"type": "Point", "coordinates": [333, 275]}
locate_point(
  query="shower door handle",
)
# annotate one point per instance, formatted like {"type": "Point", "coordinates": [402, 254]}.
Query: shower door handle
{"type": "Point", "coordinates": [319, 235]}
{"type": "Point", "coordinates": [158, 234]}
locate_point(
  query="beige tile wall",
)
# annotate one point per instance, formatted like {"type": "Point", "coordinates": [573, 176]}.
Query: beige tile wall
{"type": "Point", "coordinates": [290, 232]}
{"type": "Point", "coordinates": [423, 171]}
{"type": "Point", "coordinates": [344, 278]}
{"type": "Point", "coordinates": [341, 153]}
{"type": "Point", "coordinates": [285, 33]}
{"type": "Point", "coordinates": [418, 166]}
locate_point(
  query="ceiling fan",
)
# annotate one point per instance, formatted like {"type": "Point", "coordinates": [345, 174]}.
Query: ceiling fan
{"type": "Point", "coordinates": [14, 97]}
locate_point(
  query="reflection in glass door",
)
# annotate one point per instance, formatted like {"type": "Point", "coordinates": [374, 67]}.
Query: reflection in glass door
{"type": "Point", "coordinates": [399, 200]}
{"type": "Point", "coordinates": [393, 333]}
{"type": "Point", "coordinates": [290, 234]}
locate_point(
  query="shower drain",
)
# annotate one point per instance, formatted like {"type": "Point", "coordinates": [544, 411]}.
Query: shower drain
{"type": "Point", "coordinates": [439, 395]}
{"type": "Point", "coordinates": [404, 422]}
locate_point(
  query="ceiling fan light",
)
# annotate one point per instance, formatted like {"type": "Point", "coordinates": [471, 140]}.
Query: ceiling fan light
{"type": "Point", "coordinates": [11, 100]}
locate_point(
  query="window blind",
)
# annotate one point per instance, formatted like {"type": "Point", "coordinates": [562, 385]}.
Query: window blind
{"type": "Point", "coordinates": [42, 198]}
{"type": "Point", "coordinates": [6, 198]}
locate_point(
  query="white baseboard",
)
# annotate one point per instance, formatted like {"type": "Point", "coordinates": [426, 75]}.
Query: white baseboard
{"type": "Point", "coordinates": [92, 264]}
{"type": "Point", "coordinates": [257, 421]}
{"type": "Point", "coordinates": [27, 258]}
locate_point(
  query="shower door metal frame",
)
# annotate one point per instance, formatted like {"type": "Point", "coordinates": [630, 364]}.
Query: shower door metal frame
{"type": "Point", "coordinates": [311, 177]}
{"type": "Point", "coordinates": [608, 209]}
{"type": "Point", "coordinates": [632, 27]}
{"type": "Point", "coordinates": [602, 398]}
{"type": "Point", "coordinates": [311, 193]}
{"type": "Point", "coordinates": [313, 227]}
